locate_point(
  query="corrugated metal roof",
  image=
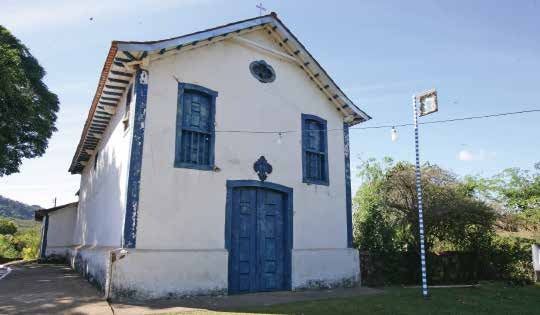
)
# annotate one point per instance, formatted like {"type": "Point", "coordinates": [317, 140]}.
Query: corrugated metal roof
{"type": "Point", "coordinates": [117, 74]}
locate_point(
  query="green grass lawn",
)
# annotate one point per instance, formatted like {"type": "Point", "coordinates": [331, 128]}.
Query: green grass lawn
{"type": "Point", "coordinates": [488, 298]}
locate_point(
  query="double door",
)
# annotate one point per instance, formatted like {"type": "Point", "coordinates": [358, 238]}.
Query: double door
{"type": "Point", "coordinates": [258, 244]}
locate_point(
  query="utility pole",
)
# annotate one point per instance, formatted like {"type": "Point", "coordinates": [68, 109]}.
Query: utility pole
{"type": "Point", "coordinates": [428, 105]}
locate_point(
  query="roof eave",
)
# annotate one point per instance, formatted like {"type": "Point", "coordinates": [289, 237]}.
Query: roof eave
{"type": "Point", "coordinates": [99, 89]}
{"type": "Point", "coordinates": [347, 109]}
{"type": "Point", "coordinates": [39, 214]}
{"type": "Point", "coordinates": [198, 36]}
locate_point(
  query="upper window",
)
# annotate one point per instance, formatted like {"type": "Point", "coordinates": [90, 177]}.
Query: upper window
{"type": "Point", "coordinates": [262, 71]}
{"type": "Point", "coordinates": [314, 150]}
{"type": "Point", "coordinates": [195, 127]}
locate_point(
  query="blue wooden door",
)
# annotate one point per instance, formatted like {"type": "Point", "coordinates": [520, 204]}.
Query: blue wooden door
{"type": "Point", "coordinates": [257, 253]}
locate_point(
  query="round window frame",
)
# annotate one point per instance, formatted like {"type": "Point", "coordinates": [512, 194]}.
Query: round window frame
{"type": "Point", "coordinates": [256, 75]}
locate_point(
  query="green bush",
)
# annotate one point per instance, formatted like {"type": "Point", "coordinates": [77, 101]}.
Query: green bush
{"type": "Point", "coordinates": [30, 240]}
{"type": "Point", "coordinates": [511, 259]}
{"type": "Point", "coordinates": [22, 244]}
{"type": "Point", "coordinates": [460, 235]}
{"type": "Point", "coordinates": [7, 227]}
{"type": "Point", "coordinates": [7, 247]}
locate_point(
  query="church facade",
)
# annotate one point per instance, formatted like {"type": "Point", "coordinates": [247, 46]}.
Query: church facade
{"type": "Point", "coordinates": [215, 162]}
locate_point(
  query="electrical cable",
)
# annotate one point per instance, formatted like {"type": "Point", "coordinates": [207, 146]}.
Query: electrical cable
{"type": "Point", "coordinates": [383, 126]}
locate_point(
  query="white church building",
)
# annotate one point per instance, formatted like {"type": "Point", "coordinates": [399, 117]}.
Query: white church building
{"type": "Point", "coordinates": [214, 162]}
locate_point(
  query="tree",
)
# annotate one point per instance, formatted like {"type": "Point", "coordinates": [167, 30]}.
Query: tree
{"type": "Point", "coordinates": [28, 242]}
{"type": "Point", "coordinates": [7, 247]}
{"type": "Point", "coordinates": [388, 209]}
{"type": "Point", "coordinates": [27, 108]}
{"type": "Point", "coordinates": [7, 227]}
{"type": "Point", "coordinates": [459, 225]}
{"type": "Point", "coordinates": [16, 244]}
{"type": "Point", "coordinates": [453, 218]}
{"type": "Point", "coordinates": [373, 229]}
{"type": "Point", "coordinates": [515, 193]}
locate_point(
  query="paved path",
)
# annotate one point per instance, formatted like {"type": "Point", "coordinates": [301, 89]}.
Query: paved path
{"type": "Point", "coordinates": [4, 271]}
{"type": "Point", "coordinates": [56, 289]}
{"type": "Point", "coordinates": [48, 289]}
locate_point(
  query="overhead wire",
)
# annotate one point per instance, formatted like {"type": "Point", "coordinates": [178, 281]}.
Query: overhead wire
{"type": "Point", "coordinates": [384, 126]}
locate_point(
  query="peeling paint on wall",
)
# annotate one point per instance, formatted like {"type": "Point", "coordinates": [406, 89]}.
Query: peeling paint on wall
{"type": "Point", "coordinates": [347, 282]}
{"type": "Point", "coordinates": [134, 177]}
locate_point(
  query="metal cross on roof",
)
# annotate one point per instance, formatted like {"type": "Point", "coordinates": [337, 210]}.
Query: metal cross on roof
{"type": "Point", "coordinates": [261, 8]}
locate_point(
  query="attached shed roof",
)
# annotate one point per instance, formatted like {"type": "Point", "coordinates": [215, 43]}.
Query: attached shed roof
{"type": "Point", "coordinates": [125, 56]}
{"type": "Point", "coordinates": [39, 214]}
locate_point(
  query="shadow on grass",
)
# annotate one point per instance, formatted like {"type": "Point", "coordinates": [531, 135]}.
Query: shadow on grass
{"type": "Point", "coordinates": [488, 298]}
{"type": "Point", "coordinates": [238, 303]}
{"type": "Point", "coordinates": [54, 289]}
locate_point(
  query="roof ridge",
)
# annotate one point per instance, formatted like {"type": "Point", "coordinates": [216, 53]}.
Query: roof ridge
{"type": "Point", "coordinates": [271, 14]}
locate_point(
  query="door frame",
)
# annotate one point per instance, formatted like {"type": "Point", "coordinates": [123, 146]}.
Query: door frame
{"type": "Point", "coordinates": [288, 217]}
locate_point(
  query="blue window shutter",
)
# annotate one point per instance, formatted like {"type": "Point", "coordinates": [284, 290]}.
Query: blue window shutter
{"type": "Point", "coordinates": [195, 136]}
{"type": "Point", "coordinates": [314, 150]}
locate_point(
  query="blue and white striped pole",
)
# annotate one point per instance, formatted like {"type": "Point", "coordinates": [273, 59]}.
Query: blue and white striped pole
{"type": "Point", "coordinates": [419, 191]}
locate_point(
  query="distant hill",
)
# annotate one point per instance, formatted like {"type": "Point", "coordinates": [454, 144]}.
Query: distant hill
{"type": "Point", "coordinates": [16, 210]}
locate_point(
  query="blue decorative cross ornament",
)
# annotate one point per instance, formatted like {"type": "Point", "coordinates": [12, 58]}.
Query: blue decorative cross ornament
{"type": "Point", "coordinates": [262, 168]}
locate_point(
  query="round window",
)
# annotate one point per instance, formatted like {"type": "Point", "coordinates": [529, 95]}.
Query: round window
{"type": "Point", "coordinates": [262, 71]}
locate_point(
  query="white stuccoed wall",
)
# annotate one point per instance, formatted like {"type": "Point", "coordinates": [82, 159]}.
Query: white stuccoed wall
{"type": "Point", "coordinates": [60, 230]}
{"type": "Point", "coordinates": [99, 218]}
{"type": "Point", "coordinates": [181, 218]}
{"type": "Point", "coordinates": [190, 203]}
{"type": "Point", "coordinates": [102, 196]}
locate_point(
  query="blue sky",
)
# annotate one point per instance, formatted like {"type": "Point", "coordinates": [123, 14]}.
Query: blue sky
{"type": "Point", "coordinates": [482, 56]}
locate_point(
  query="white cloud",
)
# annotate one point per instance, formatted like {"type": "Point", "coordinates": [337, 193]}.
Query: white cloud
{"type": "Point", "coordinates": [481, 155]}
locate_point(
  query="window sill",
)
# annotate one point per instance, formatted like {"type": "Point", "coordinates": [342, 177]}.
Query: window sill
{"type": "Point", "coordinates": [316, 182]}
{"type": "Point", "coordinates": [194, 166]}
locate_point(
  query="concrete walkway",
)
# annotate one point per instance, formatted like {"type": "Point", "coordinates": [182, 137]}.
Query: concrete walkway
{"type": "Point", "coordinates": [56, 289]}
{"type": "Point", "coordinates": [48, 289]}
